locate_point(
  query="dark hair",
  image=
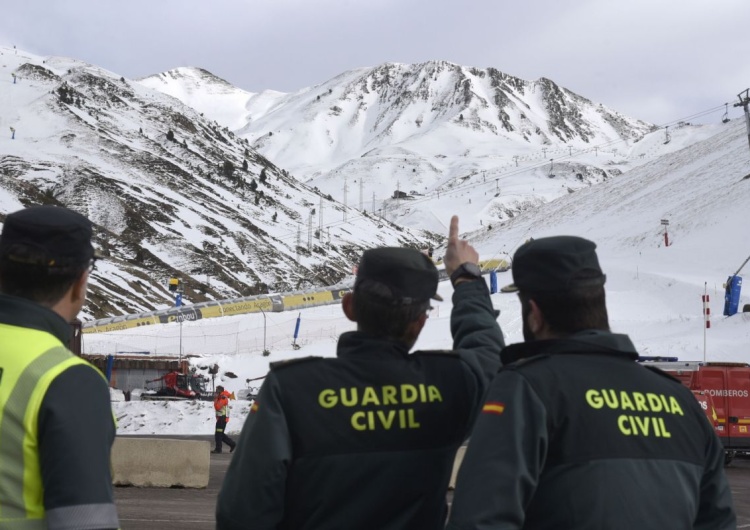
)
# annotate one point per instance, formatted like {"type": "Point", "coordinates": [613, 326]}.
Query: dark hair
{"type": "Point", "coordinates": [382, 318]}
{"type": "Point", "coordinates": [570, 311]}
{"type": "Point", "coordinates": [40, 284]}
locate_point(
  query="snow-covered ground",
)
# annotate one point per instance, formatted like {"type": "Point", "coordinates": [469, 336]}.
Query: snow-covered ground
{"type": "Point", "coordinates": [653, 291]}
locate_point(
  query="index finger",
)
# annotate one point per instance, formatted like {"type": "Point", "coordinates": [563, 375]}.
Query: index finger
{"type": "Point", "coordinates": [453, 231]}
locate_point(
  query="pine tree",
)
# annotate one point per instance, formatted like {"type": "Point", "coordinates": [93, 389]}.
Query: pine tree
{"type": "Point", "coordinates": [244, 165]}
{"type": "Point", "coordinates": [263, 176]}
{"type": "Point", "coordinates": [228, 169]}
{"type": "Point", "coordinates": [170, 135]}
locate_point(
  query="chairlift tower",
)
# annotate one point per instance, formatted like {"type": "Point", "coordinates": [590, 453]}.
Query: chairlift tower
{"type": "Point", "coordinates": [346, 189]}
{"type": "Point", "coordinates": [667, 136]}
{"type": "Point", "coordinates": [320, 216]}
{"type": "Point", "coordinates": [744, 98]}
{"type": "Point", "coordinates": [309, 231]}
{"type": "Point", "coordinates": [299, 240]}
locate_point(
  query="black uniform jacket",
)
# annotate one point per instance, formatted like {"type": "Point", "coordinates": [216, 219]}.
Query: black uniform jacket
{"type": "Point", "coordinates": [365, 440]}
{"type": "Point", "coordinates": [576, 435]}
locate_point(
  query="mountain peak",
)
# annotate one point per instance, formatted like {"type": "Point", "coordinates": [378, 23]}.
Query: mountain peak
{"type": "Point", "coordinates": [190, 76]}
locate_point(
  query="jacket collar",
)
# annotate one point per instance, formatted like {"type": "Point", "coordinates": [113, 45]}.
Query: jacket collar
{"type": "Point", "coordinates": [361, 345]}
{"type": "Point", "coordinates": [583, 342]}
{"type": "Point", "coordinates": [20, 312]}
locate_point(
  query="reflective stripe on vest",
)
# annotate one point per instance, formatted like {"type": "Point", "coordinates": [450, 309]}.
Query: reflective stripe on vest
{"type": "Point", "coordinates": [29, 362]}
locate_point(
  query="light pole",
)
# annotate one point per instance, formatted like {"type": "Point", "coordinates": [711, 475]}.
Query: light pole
{"type": "Point", "coordinates": [180, 362]}
{"type": "Point", "coordinates": [266, 353]}
{"type": "Point", "coordinates": [179, 288]}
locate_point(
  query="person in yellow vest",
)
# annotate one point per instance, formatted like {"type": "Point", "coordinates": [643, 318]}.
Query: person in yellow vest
{"type": "Point", "coordinates": [56, 421]}
{"type": "Point", "coordinates": [221, 405]}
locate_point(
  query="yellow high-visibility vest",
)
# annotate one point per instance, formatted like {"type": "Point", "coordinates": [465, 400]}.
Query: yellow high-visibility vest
{"type": "Point", "coordinates": [29, 361]}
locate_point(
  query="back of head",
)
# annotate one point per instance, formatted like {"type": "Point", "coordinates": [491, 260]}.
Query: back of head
{"type": "Point", "coordinates": [393, 288]}
{"type": "Point", "coordinates": [43, 251]}
{"type": "Point", "coordinates": [562, 275]}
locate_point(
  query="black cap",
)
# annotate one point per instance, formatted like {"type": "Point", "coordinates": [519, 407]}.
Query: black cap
{"type": "Point", "coordinates": [47, 236]}
{"type": "Point", "coordinates": [398, 275]}
{"type": "Point", "coordinates": [555, 264]}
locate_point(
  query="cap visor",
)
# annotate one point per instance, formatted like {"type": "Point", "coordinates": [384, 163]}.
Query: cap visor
{"type": "Point", "coordinates": [437, 297]}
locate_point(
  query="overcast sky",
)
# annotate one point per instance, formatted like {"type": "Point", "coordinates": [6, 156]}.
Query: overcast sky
{"type": "Point", "coordinates": [657, 60]}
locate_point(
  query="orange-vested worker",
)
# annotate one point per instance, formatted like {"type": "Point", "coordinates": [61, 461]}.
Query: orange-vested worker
{"type": "Point", "coordinates": [221, 405]}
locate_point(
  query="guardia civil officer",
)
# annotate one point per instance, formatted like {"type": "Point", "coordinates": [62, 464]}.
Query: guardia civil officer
{"type": "Point", "coordinates": [56, 423]}
{"type": "Point", "coordinates": [575, 434]}
{"type": "Point", "coordinates": [367, 439]}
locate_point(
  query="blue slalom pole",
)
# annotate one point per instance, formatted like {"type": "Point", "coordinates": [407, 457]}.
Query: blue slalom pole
{"type": "Point", "coordinates": [296, 332]}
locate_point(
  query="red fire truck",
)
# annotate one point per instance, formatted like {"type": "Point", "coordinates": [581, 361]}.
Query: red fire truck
{"type": "Point", "coordinates": [723, 390]}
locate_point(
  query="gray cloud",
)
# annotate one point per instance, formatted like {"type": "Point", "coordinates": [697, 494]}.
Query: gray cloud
{"type": "Point", "coordinates": [658, 61]}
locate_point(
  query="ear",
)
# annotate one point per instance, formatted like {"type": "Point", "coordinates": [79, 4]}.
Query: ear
{"type": "Point", "coordinates": [78, 290]}
{"type": "Point", "coordinates": [347, 304]}
{"type": "Point", "coordinates": [72, 301]}
{"type": "Point", "coordinates": [414, 329]}
{"type": "Point", "coordinates": [420, 322]}
{"type": "Point", "coordinates": [536, 320]}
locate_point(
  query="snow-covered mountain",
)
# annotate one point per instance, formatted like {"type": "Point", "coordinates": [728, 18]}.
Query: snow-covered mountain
{"type": "Point", "coordinates": [171, 192]}
{"type": "Point", "coordinates": [430, 130]}
{"type": "Point", "coordinates": [169, 168]}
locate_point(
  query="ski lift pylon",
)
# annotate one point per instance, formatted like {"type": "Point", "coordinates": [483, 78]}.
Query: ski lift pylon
{"type": "Point", "coordinates": [667, 137]}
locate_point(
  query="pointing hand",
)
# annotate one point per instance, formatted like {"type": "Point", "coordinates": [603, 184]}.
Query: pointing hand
{"type": "Point", "coordinates": [458, 250]}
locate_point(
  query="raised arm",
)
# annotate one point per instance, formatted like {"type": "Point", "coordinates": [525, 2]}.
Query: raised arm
{"type": "Point", "coordinates": [477, 337]}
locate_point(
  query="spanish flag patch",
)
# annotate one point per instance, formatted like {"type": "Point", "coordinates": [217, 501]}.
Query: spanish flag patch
{"type": "Point", "coordinates": [254, 407]}
{"type": "Point", "coordinates": [493, 407]}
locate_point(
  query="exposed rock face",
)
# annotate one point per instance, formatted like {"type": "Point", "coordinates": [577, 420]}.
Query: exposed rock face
{"type": "Point", "coordinates": [172, 194]}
